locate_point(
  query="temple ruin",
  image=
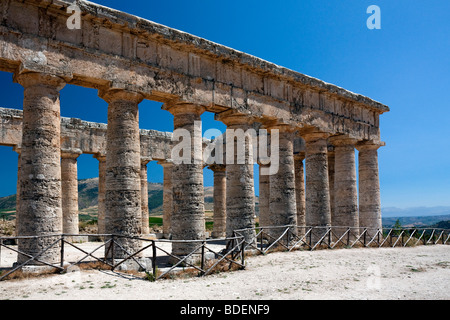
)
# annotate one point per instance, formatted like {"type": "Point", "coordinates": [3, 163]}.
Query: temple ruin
{"type": "Point", "coordinates": [129, 59]}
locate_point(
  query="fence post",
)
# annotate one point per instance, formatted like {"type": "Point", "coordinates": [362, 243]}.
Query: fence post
{"type": "Point", "coordinates": [62, 251]}
{"type": "Point", "coordinates": [112, 251]}
{"type": "Point", "coordinates": [242, 252]}
{"type": "Point", "coordinates": [261, 235]}
{"type": "Point", "coordinates": [154, 259]}
{"type": "Point", "coordinates": [202, 264]}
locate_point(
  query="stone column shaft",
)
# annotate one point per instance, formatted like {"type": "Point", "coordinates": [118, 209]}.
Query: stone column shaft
{"type": "Point", "coordinates": [101, 193]}
{"type": "Point", "coordinates": [369, 187]}
{"type": "Point", "coordinates": [220, 201]}
{"type": "Point", "coordinates": [300, 192]}
{"type": "Point", "coordinates": [69, 187]}
{"type": "Point", "coordinates": [283, 205]}
{"type": "Point", "coordinates": [318, 212]}
{"type": "Point", "coordinates": [40, 176]}
{"type": "Point", "coordinates": [345, 187]}
{"type": "Point", "coordinates": [123, 169]}
{"type": "Point", "coordinates": [240, 188]}
{"type": "Point", "coordinates": [17, 192]}
{"type": "Point", "coordinates": [167, 198]}
{"type": "Point", "coordinates": [144, 198]}
{"type": "Point", "coordinates": [188, 218]}
{"type": "Point", "coordinates": [264, 198]}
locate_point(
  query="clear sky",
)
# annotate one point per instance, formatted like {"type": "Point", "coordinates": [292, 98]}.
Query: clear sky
{"type": "Point", "coordinates": [405, 65]}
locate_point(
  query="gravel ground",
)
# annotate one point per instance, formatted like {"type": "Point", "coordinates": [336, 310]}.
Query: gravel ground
{"type": "Point", "coordinates": [421, 272]}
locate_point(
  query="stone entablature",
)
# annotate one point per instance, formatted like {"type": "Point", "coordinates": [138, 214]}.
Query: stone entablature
{"type": "Point", "coordinates": [117, 50]}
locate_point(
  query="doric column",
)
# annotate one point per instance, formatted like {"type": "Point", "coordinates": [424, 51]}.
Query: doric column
{"type": "Point", "coordinates": [283, 205]}
{"type": "Point", "coordinates": [17, 149]}
{"type": "Point", "coordinates": [264, 197]}
{"type": "Point", "coordinates": [331, 164]}
{"type": "Point", "coordinates": [188, 218]}
{"type": "Point", "coordinates": [220, 200]}
{"type": "Point", "coordinates": [345, 212]}
{"type": "Point", "coordinates": [300, 191]}
{"type": "Point", "coordinates": [369, 187]}
{"type": "Point", "coordinates": [101, 193]}
{"type": "Point", "coordinates": [318, 212]}
{"type": "Point", "coordinates": [144, 197]}
{"type": "Point", "coordinates": [167, 197]}
{"type": "Point", "coordinates": [123, 168]}
{"type": "Point", "coordinates": [240, 188]}
{"type": "Point", "coordinates": [69, 187]}
{"type": "Point", "coordinates": [40, 177]}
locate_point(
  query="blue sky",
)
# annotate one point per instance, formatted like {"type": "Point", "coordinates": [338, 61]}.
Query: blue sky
{"type": "Point", "coordinates": [405, 65]}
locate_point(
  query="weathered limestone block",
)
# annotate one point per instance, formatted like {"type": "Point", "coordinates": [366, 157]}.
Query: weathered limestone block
{"type": "Point", "coordinates": [369, 187]}
{"type": "Point", "coordinates": [345, 212]}
{"type": "Point", "coordinates": [69, 187]}
{"type": "Point", "coordinates": [283, 205]}
{"type": "Point", "coordinates": [123, 169]}
{"type": "Point", "coordinates": [188, 218]}
{"type": "Point", "coordinates": [40, 176]}
{"type": "Point", "coordinates": [318, 212]}
{"type": "Point", "coordinates": [220, 201]}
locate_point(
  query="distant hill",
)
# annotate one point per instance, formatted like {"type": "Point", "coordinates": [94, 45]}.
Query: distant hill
{"type": "Point", "coordinates": [88, 197]}
{"type": "Point", "coordinates": [389, 212]}
{"type": "Point", "coordinates": [416, 216]}
{"type": "Point", "coordinates": [422, 221]}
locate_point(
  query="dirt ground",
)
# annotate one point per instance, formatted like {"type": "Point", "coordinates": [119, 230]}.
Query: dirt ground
{"type": "Point", "coordinates": [421, 272]}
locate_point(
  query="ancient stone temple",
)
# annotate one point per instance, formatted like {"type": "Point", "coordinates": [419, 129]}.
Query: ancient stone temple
{"type": "Point", "coordinates": [128, 59]}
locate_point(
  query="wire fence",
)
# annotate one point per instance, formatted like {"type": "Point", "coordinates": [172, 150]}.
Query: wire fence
{"type": "Point", "coordinates": [225, 254]}
{"type": "Point", "coordinates": [210, 255]}
{"type": "Point", "coordinates": [292, 237]}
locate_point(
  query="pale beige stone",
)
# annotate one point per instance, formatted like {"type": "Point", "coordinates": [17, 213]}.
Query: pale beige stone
{"type": "Point", "coordinates": [240, 190]}
{"type": "Point", "coordinates": [167, 197]}
{"type": "Point", "coordinates": [318, 211]}
{"type": "Point", "coordinates": [220, 201]}
{"type": "Point", "coordinates": [345, 214]}
{"type": "Point", "coordinates": [123, 169]}
{"type": "Point", "coordinates": [369, 187]}
{"type": "Point", "coordinates": [144, 197]}
{"type": "Point", "coordinates": [300, 192]}
{"type": "Point", "coordinates": [283, 205]}
{"type": "Point", "coordinates": [40, 176]}
{"type": "Point", "coordinates": [188, 218]}
{"type": "Point", "coordinates": [69, 188]}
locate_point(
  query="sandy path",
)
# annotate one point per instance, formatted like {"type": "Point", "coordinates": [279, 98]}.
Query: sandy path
{"type": "Point", "coordinates": [388, 273]}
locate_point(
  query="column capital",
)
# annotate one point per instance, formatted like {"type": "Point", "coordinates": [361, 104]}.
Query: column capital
{"type": "Point", "coordinates": [166, 163]}
{"type": "Point", "coordinates": [111, 95]}
{"type": "Point", "coordinates": [30, 79]}
{"type": "Point", "coordinates": [279, 125]}
{"type": "Point", "coordinates": [300, 156]}
{"type": "Point", "coordinates": [70, 153]}
{"type": "Point", "coordinates": [184, 108]}
{"type": "Point", "coordinates": [217, 167]}
{"type": "Point", "coordinates": [145, 160]}
{"type": "Point", "coordinates": [100, 157]}
{"type": "Point", "coordinates": [17, 148]}
{"type": "Point", "coordinates": [232, 117]}
{"type": "Point", "coordinates": [311, 135]}
{"type": "Point", "coordinates": [342, 141]}
{"type": "Point", "coordinates": [369, 145]}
